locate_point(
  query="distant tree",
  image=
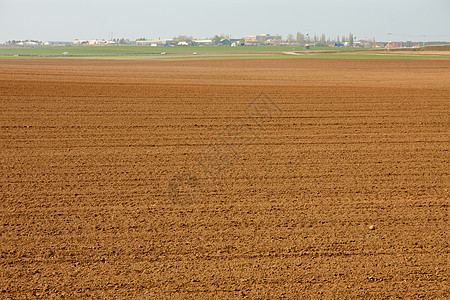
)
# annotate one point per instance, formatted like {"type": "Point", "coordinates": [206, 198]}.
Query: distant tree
{"type": "Point", "coordinates": [183, 38]}
{"type": "Point", "coordinates": [300, 38]}
{"type": "Point", "coordinates": [322, 41]}
{"type": "Point", "coordinates": [290, 38]}
{"type": "Point", "coordinates": [216, 40]}
{"type": "Point", "coordinates": [350, 39]}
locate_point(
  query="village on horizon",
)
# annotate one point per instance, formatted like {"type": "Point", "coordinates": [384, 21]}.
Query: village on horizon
{"type": "Point", "coordinates": [300, 39]}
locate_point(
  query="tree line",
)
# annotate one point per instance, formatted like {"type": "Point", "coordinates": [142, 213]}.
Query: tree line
{"type": "Point", "coordinates": [320, 40]}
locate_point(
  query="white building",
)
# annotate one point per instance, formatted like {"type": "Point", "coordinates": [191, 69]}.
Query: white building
{"type": "Point", "coordinates": [154, 42]}
{"type": "Point", "coordinates": [203, 42]}
{"type": "Point", "coordinates": [92, 42]}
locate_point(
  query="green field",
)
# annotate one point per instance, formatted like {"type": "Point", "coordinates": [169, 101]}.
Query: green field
{"type": "Point", "coordinates": [207, 52]}
{"type": "Point", "coordinates": [142, 50]}
{"type": "Point", "coordinates": [237, 56]}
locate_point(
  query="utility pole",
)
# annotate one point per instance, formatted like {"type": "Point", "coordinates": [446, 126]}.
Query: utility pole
{"type": "Point", "coordinates": [389, 40]}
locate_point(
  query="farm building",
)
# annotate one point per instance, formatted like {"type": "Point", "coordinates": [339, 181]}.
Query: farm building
{"type": "Point", "coordinates": [158, 42]}
{"type": "Point", "coordinates": [203, 42]}
{"type": "Point", "coordinates": [262, 39]}
{"type": "Point", "coordinates": [92, 42]}
{"type": "Point", "coordinates": [225, 42]}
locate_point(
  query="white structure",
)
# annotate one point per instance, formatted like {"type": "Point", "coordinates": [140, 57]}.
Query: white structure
{"type": "Point", "coordinates": [92, 42]}
{"type": "Point", "coordinates": [203, 42]}
{"type": "Point", "coordinates": [154, 42]}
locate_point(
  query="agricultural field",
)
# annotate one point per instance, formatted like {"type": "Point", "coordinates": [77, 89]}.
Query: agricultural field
{"type": "Point", "coordinates": [240, 178]}
{"type": "Point", "coordinates": [145, 50]}
{"type": "Point", "coordinates": [182, 53]}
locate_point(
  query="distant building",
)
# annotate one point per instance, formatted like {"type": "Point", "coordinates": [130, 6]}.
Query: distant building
{"type": "Point", "coordinates": [28, 43]}
{"type": "Point", "coordinates": [237, 42]}
{"type": "Point", "coordinates": [225, 42]}
{"type": "Point", "coordinates": [362, 43]}
{"type": "Point", "coordinates": [262, 39]}
{"type": "Point", "coordinates": [147, 43]}
{"type": "Point", "coordinates": [392, 45]}
{"type": "Point", "coordinates": [57, 43]}
{"type": "Point", "coordinates": [158, 42]}
{"type": "Point", "coordinates": [92, 42]}
{"type": "Point", "coordinates": [203, 42]}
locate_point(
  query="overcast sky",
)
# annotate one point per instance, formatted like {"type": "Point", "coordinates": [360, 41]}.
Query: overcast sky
{"type": "Point", "coordinates": [66, 20]}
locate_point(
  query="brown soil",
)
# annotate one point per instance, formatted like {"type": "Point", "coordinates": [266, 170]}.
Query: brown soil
{"type": "Point", "coordinates": [152, 180]}
{"type": "Point", "coordinates": [412, 52]}
{"type": "Point", "coordinates": [436, 48]}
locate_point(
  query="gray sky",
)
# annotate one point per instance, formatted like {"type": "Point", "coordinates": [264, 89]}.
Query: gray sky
{"type": "Point", "coordinates": [66, 20]}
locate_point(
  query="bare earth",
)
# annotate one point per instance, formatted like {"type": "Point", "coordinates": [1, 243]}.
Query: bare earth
{"type": "Point", "coordinates": [153, 180]}
{"type": "Point", "coordinates": [423, 52]}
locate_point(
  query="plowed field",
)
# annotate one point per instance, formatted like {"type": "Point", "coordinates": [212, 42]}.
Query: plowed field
{"type": "Point", "coordinates": [224, 179]}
